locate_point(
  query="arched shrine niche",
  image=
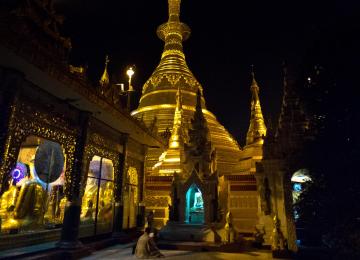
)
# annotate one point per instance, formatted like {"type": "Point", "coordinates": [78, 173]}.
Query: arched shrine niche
{"type": "Point", "coordinates": [194, 205]}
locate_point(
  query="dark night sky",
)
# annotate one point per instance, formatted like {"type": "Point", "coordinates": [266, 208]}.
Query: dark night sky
{"type": "Point", "coordinates": [227, 37]}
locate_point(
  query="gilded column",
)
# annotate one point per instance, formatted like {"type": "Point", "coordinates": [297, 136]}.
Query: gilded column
{"type": "Point", "coordinates": [119, 204]}
{"type": "Point", "coordinates": [70, 229]}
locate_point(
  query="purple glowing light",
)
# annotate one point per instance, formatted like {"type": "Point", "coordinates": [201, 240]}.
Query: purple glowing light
{"type": "Point", "coordinates": [19, 172]}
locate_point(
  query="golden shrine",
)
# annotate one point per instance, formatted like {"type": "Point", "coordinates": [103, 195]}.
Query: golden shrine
{"type": "Point", "coordinates": [222, 173]}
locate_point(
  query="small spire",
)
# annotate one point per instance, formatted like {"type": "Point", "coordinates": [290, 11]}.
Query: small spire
{"type": "Point", "coordinates": [177, 136]}
{"type": "Point", "coordinates": [178, 100]}
{"type": "Point", "coordinates": [199, 132]}
{"type": "Point", "coordinates": [174, 10]}
{"type": "Point", "coordinates": [198, 118]}
{"type": "Point", "coordinates": [170, 160]}
{"type": "Point", "coordinates": [257, 126]}
{"type": "Point", "coordinates": [104, 80]}
{"type": "Point", "coordinates": [254, 84]}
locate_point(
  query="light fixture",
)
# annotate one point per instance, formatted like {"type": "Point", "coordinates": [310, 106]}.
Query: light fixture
{"type": "Point", "coordinates": [130, 72]}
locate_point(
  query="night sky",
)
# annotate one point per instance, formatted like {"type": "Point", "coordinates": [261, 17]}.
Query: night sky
{"type": "Point", "coordinates": [227, 37]}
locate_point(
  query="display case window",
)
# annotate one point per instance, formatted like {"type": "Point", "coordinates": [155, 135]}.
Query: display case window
{"type": "Point", "coordinates": [98, 202]}
{"type": "Point", "coordinates": [34, 198]}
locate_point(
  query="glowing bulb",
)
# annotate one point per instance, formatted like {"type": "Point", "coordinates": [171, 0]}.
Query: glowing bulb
{"type": "Point", "coordinates": [130, 72]}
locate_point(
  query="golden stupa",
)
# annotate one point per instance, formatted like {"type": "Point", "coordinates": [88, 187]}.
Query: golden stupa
{"type": "Point", "coordinates": [158, 101]}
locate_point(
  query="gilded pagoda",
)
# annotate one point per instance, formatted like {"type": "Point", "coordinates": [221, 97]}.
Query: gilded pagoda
{"type": "Point", "coordinates": [158, 100]}
{"type": "Point", "coordinates": [173, 103]}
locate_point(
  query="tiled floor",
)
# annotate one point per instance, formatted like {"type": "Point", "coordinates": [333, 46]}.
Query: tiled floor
{"type": "Point", "coordinates": [26, 250]}
{"type": "Point", "coordinates": [124, 252]}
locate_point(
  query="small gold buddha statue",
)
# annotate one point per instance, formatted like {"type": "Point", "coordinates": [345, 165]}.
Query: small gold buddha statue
{"type": "Point", "coordinates": [28, 209]}
{"type": "Point", "coordinates": [88, 201]}
{"type": "Point", "coordinates": [105, 203]}
{"type": "Point", "coordinates": [8, 200]}
{"type": "Point", "coordinates": [22, 205]}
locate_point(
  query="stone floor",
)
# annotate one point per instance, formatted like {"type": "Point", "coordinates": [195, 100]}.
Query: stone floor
{"type": "Point", "coordinates": [124, 252]}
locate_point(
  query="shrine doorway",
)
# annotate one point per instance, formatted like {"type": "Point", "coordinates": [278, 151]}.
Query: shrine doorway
{"type": "Point", "coordinates": [194, 207]}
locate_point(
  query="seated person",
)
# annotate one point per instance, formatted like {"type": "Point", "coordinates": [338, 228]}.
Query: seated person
{"type": "Point", "coordinates": [146, 247]}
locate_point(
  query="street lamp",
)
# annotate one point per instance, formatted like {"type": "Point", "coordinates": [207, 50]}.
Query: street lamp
{"type": "Point", "coordinates": [129, 72]}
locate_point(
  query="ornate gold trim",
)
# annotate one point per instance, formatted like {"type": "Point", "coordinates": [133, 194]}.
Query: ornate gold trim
{"type": "Point", "coordinates": [167, 91]}
{"type": "Point", "coordinates": [172, 106]}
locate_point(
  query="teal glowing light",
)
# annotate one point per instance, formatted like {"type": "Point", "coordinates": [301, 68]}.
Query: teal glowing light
{"type": "Point", "coordinates": [194, 210]}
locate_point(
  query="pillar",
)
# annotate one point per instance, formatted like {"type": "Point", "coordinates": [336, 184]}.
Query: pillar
{"type": "Point", "coordinates": [140, 217]}
{"type": "Point", "coordinates": [119, 205]}
{"type": "Point", "coordinates": [70, 229]}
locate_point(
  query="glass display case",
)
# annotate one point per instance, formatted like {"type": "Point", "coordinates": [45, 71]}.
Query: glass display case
{"type": "Point", "coordinates": [34, 198]}
{"type": "Point", "coordinates": [98, 200]}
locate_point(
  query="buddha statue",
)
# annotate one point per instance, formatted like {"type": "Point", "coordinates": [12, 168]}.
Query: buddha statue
{"type": "Point", "coordinates": [8, 199]}
{"type": "Point", "coordinates": [88, 212]}
{"type": "Point", "coordinates": [198, 201]}
{"type": "Point", "coordinates": [229, 227]}
{"type": "Point", "coordinates": [88, 201]}
{"type": "Point", "coordinates": [28, 210]}
{"type": "Point", "coordinates": [105, 203]}
{"type": "Point", "coordinates": [7, 203]}
{"type": "Point", "coordinates": [54, 206]}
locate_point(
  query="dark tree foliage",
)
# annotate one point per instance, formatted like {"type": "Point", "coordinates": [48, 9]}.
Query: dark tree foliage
{"type": "Point", "coordinates": [329, 207]}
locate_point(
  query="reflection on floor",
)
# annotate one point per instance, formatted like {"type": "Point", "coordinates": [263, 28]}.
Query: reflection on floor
{"type": "Point", "coordinates": [124, 252]}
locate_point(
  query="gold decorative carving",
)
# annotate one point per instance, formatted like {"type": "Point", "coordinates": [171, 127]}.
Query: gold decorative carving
{"type": "Point", "coordinates": [157, 192]}
{"type": "Point", "coordinates": [38, 123]}
{"type": "Point", "coordinates": [157, 201]}
{"type": "Point", "coordinates": [133, 176]}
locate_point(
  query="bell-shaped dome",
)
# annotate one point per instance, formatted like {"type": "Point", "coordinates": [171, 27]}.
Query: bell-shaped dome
{"type": "Point", "coordinates": [158, 100]}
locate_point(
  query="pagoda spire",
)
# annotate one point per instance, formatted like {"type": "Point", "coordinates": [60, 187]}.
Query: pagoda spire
{"type": "Point", "coordinates": [173, 32]}
{"type": "Point", "coordinates": [199, 132]}
{"type": "Point", "coordinates": [171, 160]}
{"type": "Point", "coordinates": [104, 80]}
{"type": "Point", "coordinates": [257, 127]}
{"type": "Point", "coordinates": [177, 133]}
{"type": "Point", "coordinates": [172, 68]}
{"type": "Point", "coordinates": [174, 10]}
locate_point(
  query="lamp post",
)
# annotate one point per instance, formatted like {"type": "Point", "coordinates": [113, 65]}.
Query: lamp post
{"type": "Point", "coordinates": [130, 72]}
